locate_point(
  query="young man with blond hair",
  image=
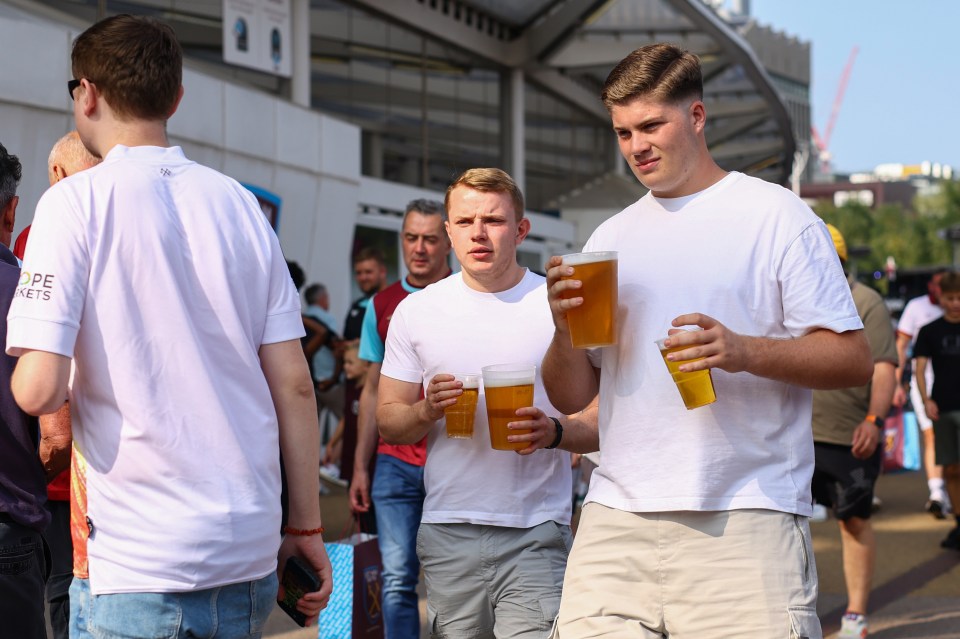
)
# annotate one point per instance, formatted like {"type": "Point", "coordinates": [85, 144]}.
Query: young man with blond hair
{"type": "Point", "coordinates": [495, 531]}
{"type": "Point", "coordinates": [696, 520]}
{"type": "Point", "coordinates": [190, 378]}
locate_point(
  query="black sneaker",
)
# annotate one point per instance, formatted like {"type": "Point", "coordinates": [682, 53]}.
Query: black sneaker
{"type": "Point", "coordinates": [952, 540]}
{"type": "Point", "coordinates": [935, 508]}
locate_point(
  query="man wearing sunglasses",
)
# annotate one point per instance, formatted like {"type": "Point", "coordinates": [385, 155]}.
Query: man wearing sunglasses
{"type": "Point", "coordinates": [164, 282]}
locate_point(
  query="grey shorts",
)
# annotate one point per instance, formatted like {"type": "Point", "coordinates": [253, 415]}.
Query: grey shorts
{"type": "Point", "coordinates": [946, 438]}
{"type": "Point", "coordinates": [491, 581]}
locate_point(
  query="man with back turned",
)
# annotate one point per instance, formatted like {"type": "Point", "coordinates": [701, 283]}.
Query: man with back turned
{"type": "Point", "coordinates": [189, 374]}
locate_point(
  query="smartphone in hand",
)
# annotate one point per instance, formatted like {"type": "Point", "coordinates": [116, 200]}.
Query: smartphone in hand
{"type": "Point", "coordinates": [298, 579]}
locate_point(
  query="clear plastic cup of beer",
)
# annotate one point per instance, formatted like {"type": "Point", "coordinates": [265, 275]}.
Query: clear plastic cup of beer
{"type": "Point", "coordinates": [593, 323]}
{"type": "Point", "coordinates": [507, 388]}
{"type": "Point", "coordinates": [459, 416]}
{"type": "Point", "coordinates": [696, 388]}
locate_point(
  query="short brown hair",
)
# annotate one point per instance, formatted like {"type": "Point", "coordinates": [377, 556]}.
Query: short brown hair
{"type": "Point", "coordinates": [488, 181]}
{"type": "Point", "coordinates": [135, 62]}
{"type": "Point", "coordinates": [660, 71]}
{"type": "Point", "coordinates": [369, 253]}
{"type": "Point", "coordinates": [950, 282]}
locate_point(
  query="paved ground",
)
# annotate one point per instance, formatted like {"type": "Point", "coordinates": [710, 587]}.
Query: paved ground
{"type": "Point", "coordinates": [916, 587]}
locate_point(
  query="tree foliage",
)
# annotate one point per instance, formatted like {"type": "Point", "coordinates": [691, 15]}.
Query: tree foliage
{"type": "Point", "coordinates": [911, 237]}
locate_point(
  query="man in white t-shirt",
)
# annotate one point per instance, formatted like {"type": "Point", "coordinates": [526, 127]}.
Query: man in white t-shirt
{"type": "Point", "coordinates": [919, 312]}
{"type": "Point", "coordinates": [696, 520]}
{"type": "Point", "coordinates": [189, 375]}
{"type": "Point", "coordinates": [495, 528]}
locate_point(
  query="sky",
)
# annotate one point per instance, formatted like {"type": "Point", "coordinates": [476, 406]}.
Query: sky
{"type": "Point", "coordinates": [902, 102]}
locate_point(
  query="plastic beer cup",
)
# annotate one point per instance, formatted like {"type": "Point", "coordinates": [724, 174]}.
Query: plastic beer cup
{"type": "Point", "coordinates": [696, 389]}
{"type": "Point", "coordinates": [459, 417]}
{"type": "Point", "coordinates": [593, 323]}
{"type": "Point", "coordinates": [507, 387]}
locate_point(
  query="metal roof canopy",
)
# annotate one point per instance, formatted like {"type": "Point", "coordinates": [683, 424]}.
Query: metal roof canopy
{"type": "Point", "coordinates": [566, 47]}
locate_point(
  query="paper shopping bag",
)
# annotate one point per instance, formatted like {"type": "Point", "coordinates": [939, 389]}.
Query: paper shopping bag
{"type": "Point", "coordinates": [355, 608]}
{"type": "Point", "coordinates": [901, 442]}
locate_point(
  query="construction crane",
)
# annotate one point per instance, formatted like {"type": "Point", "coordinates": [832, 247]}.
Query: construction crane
{"type": "Point", "coordinates": [823, 143]}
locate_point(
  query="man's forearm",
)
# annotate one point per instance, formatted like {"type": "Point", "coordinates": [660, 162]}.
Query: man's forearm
{"type": "Point", "coordinates": [821, 360]}
{"type": "Point", "coordinates": [56, 441]}
{"type": "Point", "coordinates": [882, 386]}
{"type": "Point", "coordinates": [293, 397]}
{"type": "Point", "coordinates": [581, 432]}
{"type": "Point", "coordinates": [568, 376]}
{"type": "Point", "coordinates": [366, 424]}
{"type": "Point", "coordinates": [920, 376]}
{"type": "Point", "coordinates": [903, 341]}
{"type": "Point", "coordinates": [400, 423]}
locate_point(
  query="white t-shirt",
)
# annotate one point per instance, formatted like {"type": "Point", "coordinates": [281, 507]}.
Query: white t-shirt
{"type": "Point", "coordinates": [451, 328]}
{"type": "Point", "coordinates": [162, 279]}
{"type": "Point", "coordinates": [754, 257]}
{"type": "Point", "coordinates": [918, 312]}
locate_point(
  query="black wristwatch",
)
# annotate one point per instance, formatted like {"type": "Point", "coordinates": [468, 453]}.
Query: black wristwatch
{"type": "Point", "coordinates": [877, 421]}
{"type": "Point", "coordinates": [556, 440]}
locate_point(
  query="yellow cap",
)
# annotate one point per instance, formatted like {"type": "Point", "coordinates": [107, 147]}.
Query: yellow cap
{"type": "Point", "coordinates": [838, 242]}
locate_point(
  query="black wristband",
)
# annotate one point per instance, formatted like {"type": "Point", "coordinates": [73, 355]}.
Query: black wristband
{"type": "Point", "coordinates": [556, 440]}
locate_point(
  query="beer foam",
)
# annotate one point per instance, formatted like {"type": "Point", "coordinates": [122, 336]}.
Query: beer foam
{"type": "Point", "coordinates": [499, 376]}
{"type": "Point", "coordinates": [576, 259]}
{"type": "Point", "coordinates": [469, 380]}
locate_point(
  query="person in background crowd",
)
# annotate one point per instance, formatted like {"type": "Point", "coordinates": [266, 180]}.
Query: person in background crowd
{"type": "Point", "coordinates": [23, 490]}
{"type": "Point", "coordinates": [847, 432]}
{"type": "Point", "coordinates": [68, 156]}
{"type": "Point", "coordinates": [396, 493]}
{"type": "Point", "coordinates": [919, 312]}
{"type": "Point", "coordinates": [938, 344]}
{"type": "Point", "coordinates": [370, 273]}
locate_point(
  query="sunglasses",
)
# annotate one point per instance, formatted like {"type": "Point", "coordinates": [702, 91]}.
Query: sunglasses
{"type": "Point", "coordinates": [72, 86]}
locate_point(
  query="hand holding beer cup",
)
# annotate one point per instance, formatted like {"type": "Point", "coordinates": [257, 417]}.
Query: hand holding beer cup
{"type": "Point", "coordinates": [459, 416]}
{"type": "Point", "coordinates": [538, 430]}
{"type": "Point", "coordinates": [507, 389]}
{"type": "Point", "coordinates": [593, 322]}
{"type": "Point", "coordinates": [560, 291]}
{"type": "Point", "coordinates": [442, 392]}
{"type": "Point", "coordinates": [696, 387]}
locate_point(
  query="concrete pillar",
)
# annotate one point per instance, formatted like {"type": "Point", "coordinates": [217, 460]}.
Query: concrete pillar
{"type": "Point", "coordinates": [300, 34]}
{"type": "Point", "coordinates": [513, 126]}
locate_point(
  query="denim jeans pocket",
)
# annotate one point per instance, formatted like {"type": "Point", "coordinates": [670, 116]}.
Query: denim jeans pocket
{"type": "Point", "coordinates": [142, 615]}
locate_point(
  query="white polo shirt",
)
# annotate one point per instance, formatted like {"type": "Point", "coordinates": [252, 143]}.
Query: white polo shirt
{"type": "Point", "coordinates": [162, 279]}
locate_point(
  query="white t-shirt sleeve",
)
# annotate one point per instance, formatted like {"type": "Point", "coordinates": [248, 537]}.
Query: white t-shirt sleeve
{"type": "Point", "coordinates": [815, 292]}
{"type": "Point", "coordinates": [49, 300]}
{"type": "Point", "coordinates": [284, 321]}
{"type": "Point", "coordinates": [400, 360]}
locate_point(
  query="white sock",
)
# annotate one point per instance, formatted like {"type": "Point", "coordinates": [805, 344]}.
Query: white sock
{"type": "Point", "coordinates": [936, 489]}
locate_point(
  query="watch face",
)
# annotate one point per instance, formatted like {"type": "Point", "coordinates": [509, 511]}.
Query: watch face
{"type": "Point", "coordinates": [878, 421]}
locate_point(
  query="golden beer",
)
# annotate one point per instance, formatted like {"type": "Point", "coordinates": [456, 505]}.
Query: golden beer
{"type": "Point", "coordinates": [696, 389]}
{"type": "Point", "coordinates": [507, 388]}
{"type": "Point", "coordinates": [459, 417]}
{"type": "Point", "coordinates": [593, 323]}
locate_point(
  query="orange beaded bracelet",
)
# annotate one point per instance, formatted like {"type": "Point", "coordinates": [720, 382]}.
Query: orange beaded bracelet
{"type": "Point", "coordinates": [301, 532]}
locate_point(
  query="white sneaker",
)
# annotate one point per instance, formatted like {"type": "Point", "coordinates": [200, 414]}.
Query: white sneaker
{"type": "Point", "coordinates": [331, 473]}
{"type": "Point", "coordinates": [853, 626]}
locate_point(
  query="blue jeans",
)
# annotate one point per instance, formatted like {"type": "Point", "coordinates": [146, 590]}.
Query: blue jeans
{"type": "Point", "coordinates": [397, 495]}
{"type": "Point", "coordinates": [237, 611]}
{"type": "Point", "coordinates": [23, 569]}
